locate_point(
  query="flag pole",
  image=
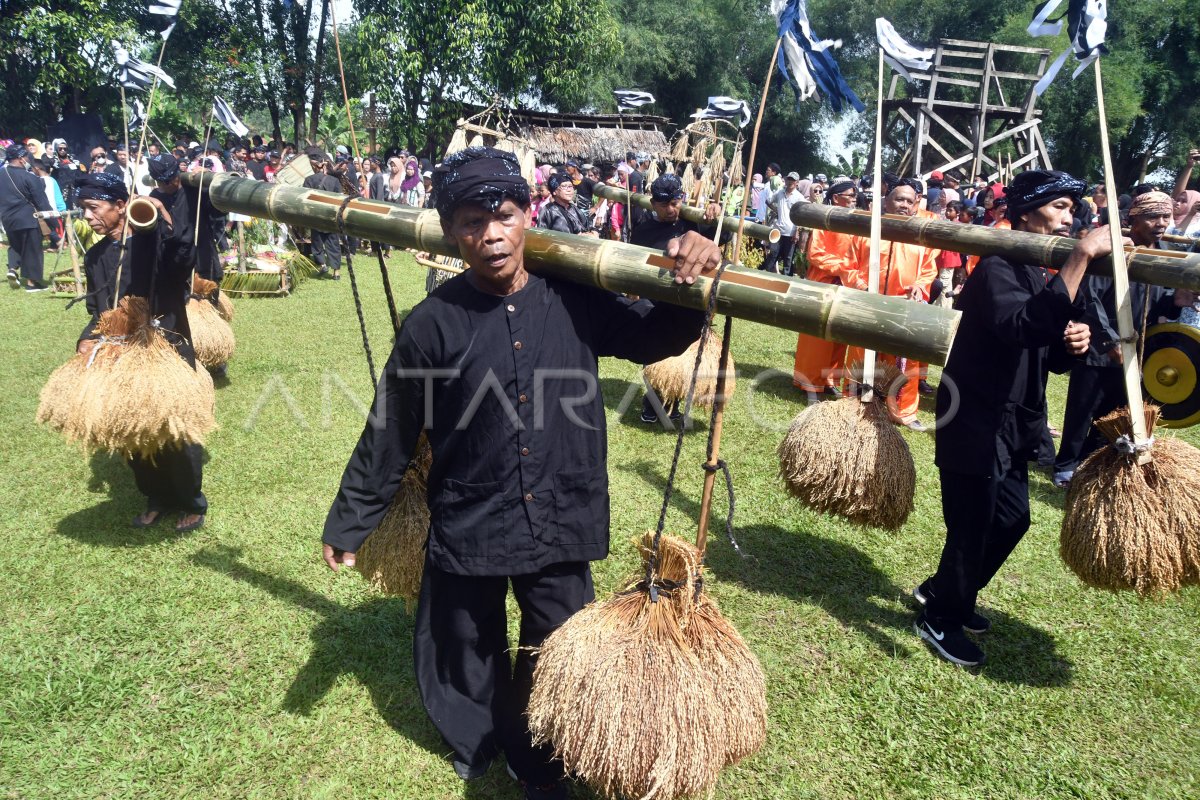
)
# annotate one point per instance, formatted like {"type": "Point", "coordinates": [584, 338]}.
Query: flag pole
{"type": "Point", "coordinates": [341, 70]}
{"type": "Point", "coordinates": [868, 378]}
{"type": "Point", "coordinates": [762, 104]}
{"type": "Point", "coordinates": [1129, 356]}
{"type": "Point", "coordinates": [150, 104]}
{"type": "Point", "coordinates": [200, 194]}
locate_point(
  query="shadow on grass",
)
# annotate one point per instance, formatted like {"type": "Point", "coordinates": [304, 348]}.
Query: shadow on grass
{"type": "Point", "coordinates": [107, 523]}
{"type": "Point", "coordinates": [845, 582]}
{"type": "Point", "coordinates": [372, 641]}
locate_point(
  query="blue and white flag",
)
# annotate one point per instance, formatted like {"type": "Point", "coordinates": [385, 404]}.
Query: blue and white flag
{"type": "Point", "coordinates": [168, 9]}
{"type": "Point", "coordinates": [135, 73]}
{"type": "Point", "coordinates": [1087, 22]}
{"type": "Point", "coordinates": [226, 116]}
{"type": "Point", "coordinates": [629, 99]}
{"type": "Point", "coordinates": [900, 54]}
{"type": "Point", "coordinates": [725, 108]}
{"type": "Point", "coordinates": [806, 62]}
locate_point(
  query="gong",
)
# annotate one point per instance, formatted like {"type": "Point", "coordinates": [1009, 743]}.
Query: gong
{"type": "Point", "coordinates": [1170, 374]}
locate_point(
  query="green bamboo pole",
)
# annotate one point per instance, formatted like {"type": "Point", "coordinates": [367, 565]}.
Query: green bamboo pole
{"type": "Point", "coordinates": [890, 324]}
{"type": "Point", "coordinates": [615, 194]}
{"type": "Point", "coordinates": [1158, 267]}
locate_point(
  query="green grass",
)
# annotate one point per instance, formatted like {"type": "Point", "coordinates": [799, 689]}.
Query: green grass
{"type": "Point", "coordinates": [231, 663]}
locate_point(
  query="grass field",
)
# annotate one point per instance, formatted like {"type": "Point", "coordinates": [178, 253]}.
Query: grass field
{"type": "Point", "coordinates": [230, 663]}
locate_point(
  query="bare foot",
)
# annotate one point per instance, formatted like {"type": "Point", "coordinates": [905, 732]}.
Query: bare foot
{"type": "Point", "coordinates": [188, 522]}
{"type": "Point", "coordinates": [146, 519]}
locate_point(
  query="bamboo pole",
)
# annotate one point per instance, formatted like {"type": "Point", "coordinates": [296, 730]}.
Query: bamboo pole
{"type": "Point", "coordinates": [868, 378]}
{"type": "Point", "coordinates": [835, 313]}
{"type": "Point", "coordinates": [1130, 366]}
{"type": "Point", "coordinates": [341, 71]}
{"type": "Point", "coordinates": [749, 176]}
{"type": "Point", "coordinates": [1158, 267]}
{"type": "Point", "coordinates": [615, 194]}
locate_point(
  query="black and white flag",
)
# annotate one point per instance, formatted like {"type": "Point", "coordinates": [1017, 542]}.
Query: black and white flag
{"type": "Point", "coordinates": [1087, 23]}
{"type": "Point", "coordinates": [135, 73]}
{"type": "Point", "coordinates": [137, 115]}
{"type": "Point", "coordinates": [168, 9]}
{"type": "Point", "coordinates": [725, 108]}
{"type": "Point", "coordinates": [900, 54]}
{"type": "Point", "coordinates": [225, 115]}
{"type": "Point", "coordinates": [629, 99]}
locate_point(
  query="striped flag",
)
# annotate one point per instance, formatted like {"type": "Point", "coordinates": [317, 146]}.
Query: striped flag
{"type": "Point", "coordinates": [137, 115]}
{"type": "Point", "coordinates": [806, 62]}
{"type": "Point", "coordinates": [899, 53]}
{"type": "Point", "coordinates": [1087, 23]}
{"type": "Point", "coordinates": [629, 99]}
{"type": "Point", "coordinates": [225, 115]}
{"type": "Point", "coordinates": [168, 9]}
{"type": "Point", "coordinates": [725, 108]}
{"type": "Point", "coordinates": [135, 73]}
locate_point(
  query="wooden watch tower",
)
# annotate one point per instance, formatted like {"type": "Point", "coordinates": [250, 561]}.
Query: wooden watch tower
{"type": "Point", "coordinates": [978, 103]}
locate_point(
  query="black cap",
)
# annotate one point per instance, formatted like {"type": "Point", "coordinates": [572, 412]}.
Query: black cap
{"type": "Point", "coordinates": [666, 188]}
{"type": "Point", "coordinates": [163, 167]}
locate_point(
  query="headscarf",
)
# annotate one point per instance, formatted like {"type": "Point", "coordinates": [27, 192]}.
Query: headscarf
{"type": "Point", "coordinates": [1193, 197]}
{"type": "Point", "coordinates": [757, 180]}
{"type": "Point", "coordinates": [411, 181]}
{"type": "Point", "coordinates": [803, 186]}
{"type": "Point", "coordinates": [15, 151]}
{"type": "Point", "coordinates": [666, 188]}
{"type": "Point", "coordinates": [101, 186]}
{"type": "Point", "coordinates": [479, 175]}
{"type": "Point", "coordinates": [1035, 188]}
{"type": "Point", "coordinates": [163, 167]}
{"type": "Point", "coordinates": [558, 179]}
{"type": "Point", "coordinates": [1151, 204]}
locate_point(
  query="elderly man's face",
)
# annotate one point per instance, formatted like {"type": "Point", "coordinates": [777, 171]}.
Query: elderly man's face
{"type": "Point", "coordinates": [901, 200]}
{"type": "Point", "coordinates": [667, 212]}
{"type": "Point", "coordinates": [1054, 217]}
{"type": "Point", "coordinates": [492, 242]}
{"type": "Point", "coordinates": [1146, 229]}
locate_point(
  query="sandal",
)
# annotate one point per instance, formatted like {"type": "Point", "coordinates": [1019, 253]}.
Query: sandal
{"type": "Point", "coordinates": [140, 520]}
{"type": "Point", "coordinates": [191, 526]}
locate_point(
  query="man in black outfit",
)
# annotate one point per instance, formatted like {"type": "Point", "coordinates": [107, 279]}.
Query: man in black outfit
{"type": "Point", "coordinates": [1098, 380]}
{"type": "Point", "coordinates": [326, 248]}
{"type": "Point", "coordinates": [155, 266]}
{"type": "Point", "coordinates": [563, 214]}
{"type": "Point", "coordinates": [518, 489]}
{"type": "Point", "coordinates": [991, 406]}
{"type": "Point", "coordinates": [21, 194]}
{"type": "Point", "coordinates": [257, 165]}
{"type": "Point", "coordinates": [65, 169]}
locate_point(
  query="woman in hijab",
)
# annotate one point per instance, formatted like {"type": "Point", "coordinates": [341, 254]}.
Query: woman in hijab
{"type": "Point", "coordinates": [394, 192]}
{"type": "Point", "coordinates": [758, 199]}
{"type": "Point", "coordinates": [413, 191]}
{"type": "Point", "coordinates": [804, 187]}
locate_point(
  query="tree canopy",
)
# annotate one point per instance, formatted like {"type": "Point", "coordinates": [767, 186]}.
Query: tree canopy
{"type": "Point", "coordinates": [424, 60]}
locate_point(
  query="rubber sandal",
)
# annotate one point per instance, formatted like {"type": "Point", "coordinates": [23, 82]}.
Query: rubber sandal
{"type": "Point", "coordinates": [199, 523]}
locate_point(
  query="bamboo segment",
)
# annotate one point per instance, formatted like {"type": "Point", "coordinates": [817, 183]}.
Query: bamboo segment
{"type": "Point", "coordinates": [1158, 267]}
{"type": "Point", "coordinates": [615, 194]}
{"type": "Point", "coordinates": [889, 324]}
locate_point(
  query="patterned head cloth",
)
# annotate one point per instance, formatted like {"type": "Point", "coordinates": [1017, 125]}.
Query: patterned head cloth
{"type": "Point", "coordinates": [666, 189]}
{"type": "Point", "coordinates": [101, 186]}
{"type": "Point", "coordinates": [1035, 188]}
{"type": "Point", "coordinates": [480, 176]}
{"type": "Point", "coordinates": [163, 167]}
{"type": "Point", "coordinates": [1151, 204]}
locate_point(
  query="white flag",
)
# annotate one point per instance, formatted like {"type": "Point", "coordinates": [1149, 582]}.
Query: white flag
{"type": "Point", "coordinates": [900, 54]}
{"type": "Point", "coordinates": [135, 73]}
{"type": "Point", "coordinates": [168, 9]}
{"type": "Point", "coordinates": [1087, 23]}
{"type": "Point", "coordinates": [224, 114]}
{"type": "Point", "coordinates": [628, 99]}
{"type": "Point", "coordinates": [725, 108]}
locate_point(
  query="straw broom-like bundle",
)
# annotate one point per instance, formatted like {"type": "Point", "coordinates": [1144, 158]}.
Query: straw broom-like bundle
{"type": "Point", "coordinates": [212, 337]}
{"type": "Point", "coordinates": [206, 289]}
{"type": "Point", "coordinates": [66, 395]}
{"type": "Point", "coordinates": [393, 556]}
{"type": "Point", "coordinates": [688, 180]}
{"type": "Point", "coordinates": [457, 142]}
{"type": "Point", "coordinates": [845, 457]}
{"type": "Point", "coordinates": [476, 141]}
{"type": "Point", "coordinates": [1130, 526]}
{"type": "Point", "coordinates": [651, 173]}
{"type": "Point", "coordinates": [670, 377]}
{"type": "Point", "coordinates": [679, 150]}
{"type": "Point", "coordinates": [650, 699]}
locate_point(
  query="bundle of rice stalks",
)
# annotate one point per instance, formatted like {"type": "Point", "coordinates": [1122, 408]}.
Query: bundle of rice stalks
{"type": "Point", "coordinates": [208, 290]}
{"type": "Point", "coordinates": [393, 556]}
{"type": "Point", "coordinates": [845, 457]}
{"type": "Point", "coordinates": [1130, 526]}
{"type": "Point", "coordinates": [651, 173]}
{"type": "Point", "coordinates": [671, 377]}
{"type": "Point", "coordinates": [476, 141]}
{"type": "Point", "coordinates": [225, 307]}
{"type": "Point", "coordinates": [65, 398]}
{"type": "Point", "coordinates": [737, 171]}
{"type": "Point", "coordinates": [650, 699]}
{"type": "Point", "coordinates": [688, 180]}
{"type": "Point", "coordinates": [457, 142]}
{"type": "Point", "coordinates": [212, 337]}
{"type": "Point", "coordinates": [681, 146]}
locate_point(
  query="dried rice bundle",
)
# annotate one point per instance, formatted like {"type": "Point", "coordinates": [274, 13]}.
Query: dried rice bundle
{"type": "Point", "coordinates": [716, 166]}
{"type": "Point", "coordinates": [651, 174]}
{"type": "Point", "coordinates": [458, 141]}
{"type": "Point", "coordinates": [737, 171]}
{"type": "Point", "coordinates": [688, 180]}
{"type": "Point", "coordinates": [393, 556]}
{"type": "Point", "coordinates": [650, 699]}
{"type": "Point", "coordinates": [1130, 526]}
{"type": "Point", "coordinates": [671, 377]}
{"type": "Point", "coordinates": [225, 307]}
{"type": "Point", "coordinates": [212, 337]}
{"type": "Point", "coordinates": [207, 290]}
{"type": "Point", "coordinates": [845, 457]}
{"type": "Point", "coordinates": [679, 150]}
{"type": "Point", "coordinates": [476, 141]}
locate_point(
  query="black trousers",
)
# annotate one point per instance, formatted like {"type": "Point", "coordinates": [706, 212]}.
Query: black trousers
{"type": "Point", "coordinates": [473, 692]}
{"type": "Point", "coordinates": [1092, 393]}
{"type": "Point", "coordinates": [327, 250]}
{"type": "Point", "coordinates": [780, 253]}
{"type": "Point", "coordinates": [25, 253]}
{"type": "Point", "coordinates": [171, 481]}
{"type": "Point", "coordinates": [985, 519]}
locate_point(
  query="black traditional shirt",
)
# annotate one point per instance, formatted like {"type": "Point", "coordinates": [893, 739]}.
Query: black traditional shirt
{"type": "Point", "coordinates": [991, 402]}
{"type": "Point", "coordinates": [507, 390]}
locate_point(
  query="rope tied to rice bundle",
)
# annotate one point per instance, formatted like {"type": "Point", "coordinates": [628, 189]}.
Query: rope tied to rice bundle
{"type": "Point", "coordinates": [362, 322]}
{"type": "Point", "coordinates": [650, 581]}
{"type": "Point", "coordinates": [113, 340]}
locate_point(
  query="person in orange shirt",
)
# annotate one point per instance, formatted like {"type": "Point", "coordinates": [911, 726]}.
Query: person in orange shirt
{"type": "Point", "coordinates": [996, 205]}
{"type": "Point", "coordinates": [905, 270]}
{"type": "Point", "coordinates": [818, 367]}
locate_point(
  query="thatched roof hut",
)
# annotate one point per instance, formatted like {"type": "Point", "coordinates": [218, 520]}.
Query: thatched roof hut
{"type": "Point", "coordinates": [597, 138]}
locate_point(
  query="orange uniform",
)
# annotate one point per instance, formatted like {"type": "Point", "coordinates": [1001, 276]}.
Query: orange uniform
{"type": "Point", "coordinates": [1001, 225]}
{"type": "Point", "coordinates": [901, 266]}
{"type": "Point", "coordinates": [818, 362]}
